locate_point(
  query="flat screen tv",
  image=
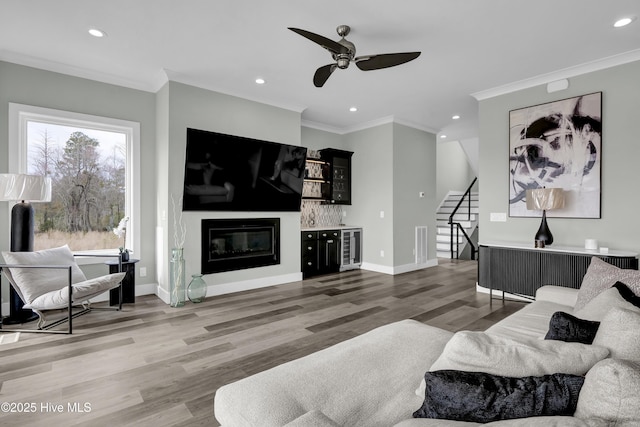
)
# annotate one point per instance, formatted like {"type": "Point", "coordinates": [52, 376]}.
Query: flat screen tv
{"type": "Point", "coordinates": [233, 173]}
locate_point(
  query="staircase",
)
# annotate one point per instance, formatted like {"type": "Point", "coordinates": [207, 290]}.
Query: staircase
{"type": "Point", "coordinates": [468, 222]}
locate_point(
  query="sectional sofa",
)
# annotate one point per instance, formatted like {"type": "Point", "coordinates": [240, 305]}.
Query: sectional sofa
{"type": "Point", "coordinates": [570, 358]}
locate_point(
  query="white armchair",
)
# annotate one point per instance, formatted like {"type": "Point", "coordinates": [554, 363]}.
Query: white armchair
{"type": "Point", "coordinates": [50, 279]}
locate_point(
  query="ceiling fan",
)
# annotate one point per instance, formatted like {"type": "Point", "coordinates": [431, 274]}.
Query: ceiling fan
{"type": "Point", "coordinates": [343, 52]}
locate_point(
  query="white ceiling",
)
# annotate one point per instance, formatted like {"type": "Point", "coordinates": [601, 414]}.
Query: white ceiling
{"type": "Point", "coordinates": [479, 47]}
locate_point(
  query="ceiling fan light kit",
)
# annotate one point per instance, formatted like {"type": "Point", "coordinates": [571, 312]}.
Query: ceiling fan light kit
{"type": "Point", "coordinates": [343, 53]}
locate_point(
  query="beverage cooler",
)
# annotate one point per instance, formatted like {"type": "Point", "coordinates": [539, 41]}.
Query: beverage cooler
{"type": "Point", "coordinates": [351, 243]}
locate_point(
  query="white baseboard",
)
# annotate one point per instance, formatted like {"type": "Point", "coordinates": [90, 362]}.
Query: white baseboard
{"type": "Point", "coordinates": [246, 285]}
{"type": "Point", "coordinates": [164, 294]}
{"type": "Point", "coordinates": [385, 269]}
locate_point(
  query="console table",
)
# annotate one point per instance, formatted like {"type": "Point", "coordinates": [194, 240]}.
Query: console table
{"type": "Point", "coordinates": [520, 269]}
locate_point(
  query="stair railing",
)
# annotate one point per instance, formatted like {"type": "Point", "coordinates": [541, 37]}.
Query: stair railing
{"type": "Point", "coordinates": [458, 227]}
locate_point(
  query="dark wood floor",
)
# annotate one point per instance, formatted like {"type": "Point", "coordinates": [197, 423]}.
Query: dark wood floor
{"type": "Point", "coordinates": [157, 365]}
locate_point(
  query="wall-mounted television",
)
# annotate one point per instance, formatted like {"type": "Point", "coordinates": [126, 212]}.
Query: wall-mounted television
{"type": "Point", "coordinates": [233, 173]}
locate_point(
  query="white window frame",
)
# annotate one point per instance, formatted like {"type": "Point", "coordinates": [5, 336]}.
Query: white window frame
{"type": "Point", "coordinates": [20, 115]}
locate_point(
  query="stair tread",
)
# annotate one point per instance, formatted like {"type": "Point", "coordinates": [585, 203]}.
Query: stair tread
{"type": "Point", "coordinates": [469, 223]}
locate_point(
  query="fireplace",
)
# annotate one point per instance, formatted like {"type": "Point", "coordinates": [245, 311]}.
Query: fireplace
{"type": "Point", "coordinates": [236, 244]}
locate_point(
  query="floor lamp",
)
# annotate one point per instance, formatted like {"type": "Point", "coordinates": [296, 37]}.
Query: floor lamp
{"type": "Point", "coordinates": [22, 189]}
{"type": "Point", "coordinates": [544, 199]}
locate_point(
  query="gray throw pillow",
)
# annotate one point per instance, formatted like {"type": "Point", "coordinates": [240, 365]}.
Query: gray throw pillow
{"type": "Point", "coordinates": [601, 276]}
{"type": "Point", "coordinates": [597, 308]}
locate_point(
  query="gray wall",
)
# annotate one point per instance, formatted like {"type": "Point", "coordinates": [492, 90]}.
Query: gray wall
{"type": "Point", "coordinates": [372, 191]}
{"type": "Point", "coordinates": [316, 139]}
{"type": "Point", "coordinates": [454, 170]}
{"type": "Point", "coordinates": [31, 86]}
{"type": "Point", "coordinates": [414, 171]}
{"type": "Point", "coordinates": [617, 228]}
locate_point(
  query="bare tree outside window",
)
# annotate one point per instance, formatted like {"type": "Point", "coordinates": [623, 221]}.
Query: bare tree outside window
{"type": "Point", "coordinates": [88, 172]}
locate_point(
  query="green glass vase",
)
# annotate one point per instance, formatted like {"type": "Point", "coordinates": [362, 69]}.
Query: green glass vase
{"type": "Point", "coordinates": [177, 286]}
{"type": "Point", "coordinates": [197, 289]}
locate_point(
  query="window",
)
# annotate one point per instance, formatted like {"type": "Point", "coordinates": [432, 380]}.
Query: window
{"type": "Point", "coordinates": [95, 184]}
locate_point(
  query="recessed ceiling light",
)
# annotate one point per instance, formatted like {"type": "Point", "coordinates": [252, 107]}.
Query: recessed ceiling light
{"type": "Point", "coordinates": [353, 109]}
{"type": "Point", "coordinates": [443, 136]}
{"type": "Point", "coordinates": [624, 21]}
{"type": "Point", "coordinates": [260, 81]}
{"type": "Point", "coordinates": [97, 33]}
{"type": "Point", "coordinates": [456, 117]}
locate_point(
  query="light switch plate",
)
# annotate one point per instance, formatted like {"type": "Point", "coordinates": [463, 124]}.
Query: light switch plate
{"type": "Point", "coordinates": [498, 217]}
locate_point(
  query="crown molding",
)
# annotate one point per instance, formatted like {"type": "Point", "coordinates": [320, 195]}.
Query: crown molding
{"type": "Point", "coordinates": [184, 79]}
{"type": "Point", "coordinates": [588, 67]}
{"type": "Point", "coordinates": [417, 126]}
{"type": "Point", "coordinates": [321, 126]}
{"type": "Point", "coordinates": [57, 67]}
{"type": "Point", "coordinates": [365, 125]}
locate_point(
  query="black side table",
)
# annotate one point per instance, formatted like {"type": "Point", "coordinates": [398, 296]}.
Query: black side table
{"type": "Point", "coordinates": [128, 283]}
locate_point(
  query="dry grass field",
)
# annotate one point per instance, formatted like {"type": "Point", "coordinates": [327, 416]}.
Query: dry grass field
{"type": "Point", "coordinates": [77, 241]}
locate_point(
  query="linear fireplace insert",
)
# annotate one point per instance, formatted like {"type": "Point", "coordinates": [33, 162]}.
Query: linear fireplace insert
{"type": "Point", "coordinates": [236, 244]}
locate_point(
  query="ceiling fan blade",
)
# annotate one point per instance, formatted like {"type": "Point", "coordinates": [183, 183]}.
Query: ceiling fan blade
{"type": "Point", "coordinates": [376, 62]}
{"type": "Point", "coordinates": [330, 45]}
{"type": "Point", "coordinates": [322, 74]}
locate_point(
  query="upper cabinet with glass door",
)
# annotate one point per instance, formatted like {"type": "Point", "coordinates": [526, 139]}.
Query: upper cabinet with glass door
{"type": "Point", "coordinates": [340, 174]}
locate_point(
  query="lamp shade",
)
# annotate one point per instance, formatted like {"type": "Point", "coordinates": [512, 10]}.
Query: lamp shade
{"type": "Point", "coordinates": [544, 199]}
{"type": "Point", "coordinates": [22, 187]}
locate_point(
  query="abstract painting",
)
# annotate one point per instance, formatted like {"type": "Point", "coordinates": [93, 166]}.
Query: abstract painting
{"type": "Point", "coordinates": [557, 145]}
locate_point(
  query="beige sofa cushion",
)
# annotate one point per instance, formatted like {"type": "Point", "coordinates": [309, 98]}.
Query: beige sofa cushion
{"type": "Point", "coordinates": [312, 419]}
{"type": "Point", "coordinates": [367, 381]}
{"type": "Point", "coordinates": [619, 331]}
{"type": "Point", "coordinates": [610, 392]}
{"type": "Point", "coordinates": [498, 355]}
{"type": "Point", "coordinates": [531, 321]}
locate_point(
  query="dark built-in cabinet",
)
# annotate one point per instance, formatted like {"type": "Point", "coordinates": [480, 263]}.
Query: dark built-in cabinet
{"type": "Point", "coordinates": [340, 177]}
{"type": "Point", "coordinates": [330, 177]}
{"type": "Point", "coordinates": [320, 252]}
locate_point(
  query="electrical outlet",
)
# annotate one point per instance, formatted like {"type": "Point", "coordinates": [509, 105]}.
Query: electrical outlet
{"type": "Point", "coordinates": [381, 254]}
{"type": "Point", "coordinates": [381, 214]}
{"type": "Point", "coordinates": [143, 271]}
